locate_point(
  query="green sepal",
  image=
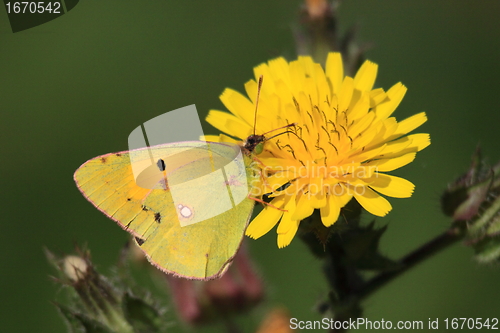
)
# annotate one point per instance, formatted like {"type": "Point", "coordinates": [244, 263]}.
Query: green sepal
{"type": "Point", "coordinates": [361, 248]}
{"type": "Point", "coordinates": [342, 310]}
{"type": "Point", "coordinates": [313, 232]}
{"type": "Point", "coordinates": [141, 316]}
{"type": "Point", "coordinates": [78, 322]}
{"type": "Point", "coordinates": [488, 250]}
{"type": "Point", "coordinates": [494, 227]}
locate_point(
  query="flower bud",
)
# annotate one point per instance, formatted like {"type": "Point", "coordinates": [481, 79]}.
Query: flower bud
{"type": "Point", "coordinates": [464, 197]}
{"type": "Point", "coordinates": [105, 308]}
{"type": "Point", "coordinates": [97, 295]}
{"type": "Point", "coordinates": [238, 290]}
{"type": "Point", "coordinates": [317, 8]}
{"type": "Point", "coordinates": [276, 321]}
{"type": "Point", "coordinates": [474, 203]}
{"type": "Point", "coordinates": [75, 268]}
{"type": "Point", "coordinates": [189, 301]}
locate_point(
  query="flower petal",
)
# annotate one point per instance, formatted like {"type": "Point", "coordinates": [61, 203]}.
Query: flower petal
{"type": "Point", "coordinates": [319, 200]}
{"type": "Point", "coordinates": [389, 164]}
{"type": "Point", "coordinates": [358, 111]}
{"type": "Point", "coordinates": [395, 94]}
{"type": "Point", "coordinates": [239, 105]}
{"type": "Point", "coordinates": [377, 96]}
{"type": "Point", "coordinates": [279, 69]}
{"type": "Point", "coordinates": [330, 213]}
{"type": "Point", "coordinates": [210, 138]}
{"type": "Point", "coordinates": [251, 88]}
{"type": "Point", "coordinates": [365, 77]}
{"type": "Point", "coordinates": [335, 71]}
{"type": "Point", "coordinates": [263, 70]}
{"type": "Point", "coordinates": [360, 125]}
{"type": "Point", "coordinates": [308, 64]}
{"type": "Point", "coordinates": [392, 186]}
{"type": "Point", "coordinates": [286, 238]}
{"type": "Point", "coordinates": [406, 144]}
{"type": "Point", "coordinates": [266, 219]}
{"type": "Point", "coordinates": [304, 208]}
{"type": "Point", "coordinates": [420, 140]}
{"type": "Point", "coordinates": [228, 123]}
{"type": "Point", "coordinates": [371, 201]}
{"type": "Point", "coordinates": [286, 221]}
{"type": "Point", "coordinates": [321, 83]}
{"type": "Point", "coordinates": [345, 93]}
{"type": "Point", "coordinates": [410, 123]}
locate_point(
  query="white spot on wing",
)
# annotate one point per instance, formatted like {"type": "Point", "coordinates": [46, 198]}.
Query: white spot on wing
{"type": "Point", "coordinates": [184, 211]}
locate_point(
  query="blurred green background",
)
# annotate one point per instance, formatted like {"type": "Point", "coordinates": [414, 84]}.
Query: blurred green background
{"type": "Point", "coordinates": [75, 87]}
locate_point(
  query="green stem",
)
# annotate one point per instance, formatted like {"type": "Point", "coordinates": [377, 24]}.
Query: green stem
{"type": "Point", "coordinates": [442, 241]}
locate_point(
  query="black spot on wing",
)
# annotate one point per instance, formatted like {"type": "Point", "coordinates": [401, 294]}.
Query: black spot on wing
{"type": "Point", "coordinates": [103, 159]}
{"type": "Point", "coordinates": [128, 199]}
{"type": "Point", "coordinates": [144, 208]}
{"type": "Point", "coordinates": [140, 241]}
{"type": "Point", "coordinates": [158, 217]}
{"type": "Point", "coordinates": [118, 154]}
{"type": "Point", "coordinates": [161, 164]}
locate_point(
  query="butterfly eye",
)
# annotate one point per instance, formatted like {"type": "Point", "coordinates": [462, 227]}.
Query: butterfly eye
{"type": "Point", "coordinates": [161, 164]}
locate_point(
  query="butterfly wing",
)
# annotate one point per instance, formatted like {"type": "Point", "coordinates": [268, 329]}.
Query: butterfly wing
{"type": "Point", "coordinates": [190, 225]}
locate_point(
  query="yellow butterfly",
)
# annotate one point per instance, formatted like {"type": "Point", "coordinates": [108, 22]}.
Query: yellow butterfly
{"type": "Point", "coordinates": [189, 206]}
{"type": "Point", "coordinates": [164, 228]}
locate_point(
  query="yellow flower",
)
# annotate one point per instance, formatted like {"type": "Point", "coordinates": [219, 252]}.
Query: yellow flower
{"type": "Point", "coordinates": [343, 141]}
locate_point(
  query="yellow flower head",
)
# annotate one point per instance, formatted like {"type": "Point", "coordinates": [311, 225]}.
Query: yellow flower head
{"type": "Point", "coordinates": [343, 141]}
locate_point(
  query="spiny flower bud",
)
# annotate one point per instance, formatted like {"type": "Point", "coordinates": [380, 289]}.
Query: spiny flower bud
{"type": "Point", "coordinates": [238, 290]}
{"type": "Point", "coordinates": [75, 268]}
{"type": "Point", "coordinates": [100, 307]}
{"type": "Point", "coordinates": [473, 201]}
{"type": "Point", "coordinates": [97, 294]}
{"type": "Point", "coordinates": [464, 196]}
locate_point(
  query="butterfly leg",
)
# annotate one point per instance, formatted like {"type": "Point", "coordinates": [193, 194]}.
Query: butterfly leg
{"type": "Point", "coordinates": [261, 175]}
{"type": "Point", "coordinates": [262, 178]}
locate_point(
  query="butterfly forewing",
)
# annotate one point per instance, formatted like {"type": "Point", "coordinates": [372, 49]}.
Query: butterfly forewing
{"type": "Point", "coordinates": [154, 214]}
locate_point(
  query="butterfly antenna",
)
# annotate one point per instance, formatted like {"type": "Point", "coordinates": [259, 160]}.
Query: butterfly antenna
{"type": "Point", "coordinates": [287, 131]}
{"type": "Point", "coordinates": [257, 103]}
{"type": "Point", "coordinates": [289, 125]}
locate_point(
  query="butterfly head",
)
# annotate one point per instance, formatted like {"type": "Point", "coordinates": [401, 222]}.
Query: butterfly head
{"type": "Point", "coordinates": [254, 144]}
